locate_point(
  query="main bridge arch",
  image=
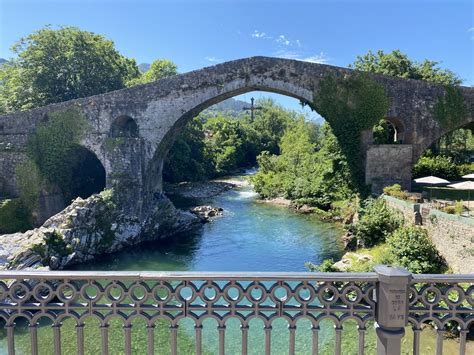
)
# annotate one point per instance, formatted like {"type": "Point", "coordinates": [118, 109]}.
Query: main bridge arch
{"type": "Point", "coordinates": [154, 113]}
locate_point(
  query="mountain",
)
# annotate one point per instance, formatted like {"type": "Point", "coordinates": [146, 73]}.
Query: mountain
{"type": "Point", "coordinates": [229, 105]}
{"type": "Point", "coordinates": [3, 60]}
{"type": "Point", "coordinates": [143, 67]}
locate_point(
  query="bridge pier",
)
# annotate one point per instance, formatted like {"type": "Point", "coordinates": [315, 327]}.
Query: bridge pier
{"type": "Point", "coordinates": [125, 172]}
{"type": "Point", "coordinates": [388, 164]}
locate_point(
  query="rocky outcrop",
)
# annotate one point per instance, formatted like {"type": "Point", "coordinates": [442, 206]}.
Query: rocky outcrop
{"type": "Point", "coordinates": [349, 259]}
{"type": "Point", "coordinates": [206, 212]}
{"type": "Point", "coordinates": [89, 228]}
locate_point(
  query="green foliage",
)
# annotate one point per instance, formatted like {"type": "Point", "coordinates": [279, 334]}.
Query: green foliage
{"type": "Point", "coordinates": [438, 165]}
{"type": "Point", "coordinates": [60, 65]}
{"type": "Point", "coordinates": [159, 69]}
{"type": "Point", "coordinates": [56, 244]}
{"type": "Point", "coordinates": [30, 183]}
{"type": "Point", "coordinates": [450, 109]}
{"type": "Point", "coordinates": [397, 63]}
{"type": "Point", "coordinates": [186, 160]}
{"type": "Point", "coordinates": [14, 216]}
{"type": "Point", "coordinates": [351, 104]}
{"type": "Point", "coordinates": [52, 155]}
{"type": "Point", "coordinates": [377, 221]}
{"type": "Point", "coordinates": [412, 248]}
{"type": "Point", "coordinates": [457, 144]}
{"type": "Point", "coordinates": [383, 132]}
{"type": "Point", "coordinates": [395, 190]}
{"type": "Point", "coordinates": [458, 208]}
{"type": "Point", "coordinates": [216, 144]}
{"type": "Point", "coordinates": [326, 266]}
{"type": "Point", "coordinates": [310, 169]}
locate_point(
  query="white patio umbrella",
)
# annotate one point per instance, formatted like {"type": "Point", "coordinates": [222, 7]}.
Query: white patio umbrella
{"type": "Point", "coordinates": [465, 185]}
{"type": "Point", "coordinates": [431, 180]}
{"type": "Point", "coordinates": [468, 176]}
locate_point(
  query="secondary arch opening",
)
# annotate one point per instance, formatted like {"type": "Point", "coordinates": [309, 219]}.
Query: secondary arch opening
{"type": "Point", "coordinates": [124, 126]}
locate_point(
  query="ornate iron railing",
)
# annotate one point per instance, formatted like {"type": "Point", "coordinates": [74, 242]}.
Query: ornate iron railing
{"type": "Point", "coordinates": [389, 297]}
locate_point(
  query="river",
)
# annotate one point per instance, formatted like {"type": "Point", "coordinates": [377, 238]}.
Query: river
{"type": "Point", "coordinates": [250, 236]}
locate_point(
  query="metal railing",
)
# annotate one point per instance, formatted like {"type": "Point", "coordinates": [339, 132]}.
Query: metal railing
{"type": "Point", "coordinates": [390, 297]}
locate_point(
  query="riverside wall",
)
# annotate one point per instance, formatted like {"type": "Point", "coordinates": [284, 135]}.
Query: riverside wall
{"type": "Point", "coordinates": [452, 235]}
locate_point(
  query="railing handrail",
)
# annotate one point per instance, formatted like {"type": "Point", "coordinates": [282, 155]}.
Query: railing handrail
{"type": "Point", "coordinates": [193, 275]}
{"type": "Point", "coordinates": [389, 296]}
{"type": "Point", "coordinates": [226, 275]}
{"type": "Point", "coordinates": [443, 278]}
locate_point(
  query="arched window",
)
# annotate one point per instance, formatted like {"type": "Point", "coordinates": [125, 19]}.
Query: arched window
{"type": "Point", "coordinates": [387, 132]}
{"type": "Point", "coordinates": [124, 126]}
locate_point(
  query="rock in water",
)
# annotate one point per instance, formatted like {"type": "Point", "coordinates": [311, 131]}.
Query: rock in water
{"type": "Point", "coordinates": [206, 212]}
{"type": "Point", "coordinates": [90, 228]}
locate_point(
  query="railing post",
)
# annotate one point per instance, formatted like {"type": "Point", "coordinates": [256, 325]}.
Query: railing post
{"type": "Point", "coordinates": [392, 308]}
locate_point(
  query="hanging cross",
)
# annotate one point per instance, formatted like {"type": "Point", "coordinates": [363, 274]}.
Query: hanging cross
{"type": "Point", "coordinates": [252, 108]}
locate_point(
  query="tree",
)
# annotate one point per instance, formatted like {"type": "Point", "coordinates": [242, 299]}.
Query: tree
{"type": "Point", "coordinates": [397, 63]}
{"type": "Point", "coordinates": [186, 160]}
{"type": "Point", "coordinates": [309, 170]}
{"type": "Point", "coordinates": [59, 65]}
{"type": "Point", "coordinates": [159, 69]}
{"type": "Point", "coordinates": [413, 249]}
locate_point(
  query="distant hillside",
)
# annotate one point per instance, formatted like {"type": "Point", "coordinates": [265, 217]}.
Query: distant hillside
{"type": "Point", "coordinates": [2, 60]}
{"type": "Point", "coordinates": [230, 106]}
{"type": "Point", "coordinates": [143, 67]}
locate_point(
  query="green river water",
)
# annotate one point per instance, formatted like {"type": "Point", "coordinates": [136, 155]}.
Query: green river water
{"type": "Point", "coordinates": [251, 236]}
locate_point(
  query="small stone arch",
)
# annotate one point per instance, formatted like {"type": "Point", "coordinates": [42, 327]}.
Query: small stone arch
{"type": "Point", "coordinates": [395, 130]}
{"type": "Point", "coordinates": [124, 126]}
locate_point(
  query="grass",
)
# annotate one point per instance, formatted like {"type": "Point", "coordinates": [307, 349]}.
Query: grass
{"type": "Point", "coordinates": [379, 254]}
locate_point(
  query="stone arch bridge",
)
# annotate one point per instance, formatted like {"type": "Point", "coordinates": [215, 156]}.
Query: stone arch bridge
{"type": "Point", "coordinates": [131, 130]}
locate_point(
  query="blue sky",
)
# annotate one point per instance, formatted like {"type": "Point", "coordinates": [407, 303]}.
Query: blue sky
{"type": "Point", "coordinates": [199, 33]}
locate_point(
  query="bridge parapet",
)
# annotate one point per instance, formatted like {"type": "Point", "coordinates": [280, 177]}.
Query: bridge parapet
{"type": "Point", "coordinates": [390, 297]}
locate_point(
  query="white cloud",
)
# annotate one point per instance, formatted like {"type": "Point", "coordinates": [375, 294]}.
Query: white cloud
{"type": "Point", "coordinates": [320, 58]}
{"type": "Point", "coordinates": [287, 54]}
{"type": "Point", "coordinates": [258, 34]}
{"type": "Point", "coordinates": [212, 59]}
{"type": "Point", "coordinates": [471, 29]}
{"type": "Point", "coordinates": [298, 43]}
{"type": "Point", "coordinates": [283, 40]}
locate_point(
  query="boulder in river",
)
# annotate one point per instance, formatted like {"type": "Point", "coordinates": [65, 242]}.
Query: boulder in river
{"type": "Point", "coordinates": [89, 228]}
{"type": "Point", "coordinates": [207, 212]}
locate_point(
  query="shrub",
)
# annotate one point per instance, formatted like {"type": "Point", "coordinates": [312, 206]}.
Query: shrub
{"type": "Point", "coordinates": [439, 165]}
{"type": "Point", "coordinates": [458, 208]}
{"type": "Point", "coordinates": [376, 223]}
{"type": "Point", "coordinates": [412, 248]}
{"type": "Point", "coordinates": [326, 266]}
{"type": "Point", "coordinates": [464, 169]}
{"type": "Point", "coordinates": [395, 190]}
{"type": "Point", "coordinates": [14, 217]}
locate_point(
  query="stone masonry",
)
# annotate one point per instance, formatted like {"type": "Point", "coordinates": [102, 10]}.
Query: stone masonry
{"type": "Point", "coordinates": [452, 235]}
{"type": "Point", "coordinates": [133, 163]}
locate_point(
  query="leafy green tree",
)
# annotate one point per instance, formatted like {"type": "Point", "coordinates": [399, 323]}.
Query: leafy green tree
{"type": "Point", "coordinates": [159, 69]}
{"type": "Point", "coordinates": [412, 248]}
{"type": "Point", "coordinates": [376, 223]}
{"type": "Point", "coordinates": [186, 160]}
{"type": "Point", "coordinates": [310, 169]}
{"type": "Point", "coordinates": [397, 63]}
{"type": "Point", "coordinates": [60, 65]}
{"type": "Point", "coordinates": [436, 165]}
{"type": "Point", "coordinates": [224, 144]}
